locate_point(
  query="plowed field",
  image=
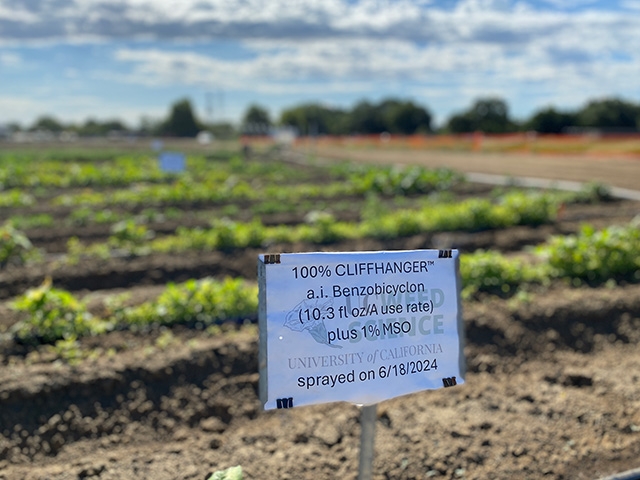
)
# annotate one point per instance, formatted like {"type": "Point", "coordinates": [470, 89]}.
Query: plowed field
{"type": "Point", "coordinates": [552, 388]}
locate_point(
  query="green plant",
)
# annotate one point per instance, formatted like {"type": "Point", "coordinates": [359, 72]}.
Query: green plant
{"type": "Point", "coordinates": [128, 232]}
{"type": "Point", "coordinates": [534, 208]}
{"type": "Point", "coordinates": [106, 216]}
{"type": "Point", "coordinates": [205, 301]}
{"type": "Point", "coordinates": [595, 256]}
{"type": "Point", "coordinates": [492, 272]}
{"type": "Point", "coordinates": [231, 473]}
{"type": "Point", "coordinates": [324, 229]}
{"type": "Point", "coordinates": [165, 340]}
{"type": "Point", "coordinates": [130, 236]}
{"type": "Point", "coordinates": [52, 315]}
{"type": "Point", "coordinates": [81, 216]}
{"type": "Point", "coordinates": [68, 349]}
{"type": "Point", "coordinates": [24, 222]}
{"type": "Point", "coordinates": [402, 180]}
{"type": "Point", "coordinates": [16, 198]}
{"type": "Point", "coordinates": [15, 247]}
{"type": "Point", "coordinates": [226, 235]}
{"type": "Point", "coordinates": [76, 251]}
{"type": "Point", "coordinates": [593, 192]}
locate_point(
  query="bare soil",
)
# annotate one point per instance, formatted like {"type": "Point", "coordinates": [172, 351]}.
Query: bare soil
{"type": "Point", "coordinates": [615, 170]}
{"type": "Point", "coordinates": [552, 388]}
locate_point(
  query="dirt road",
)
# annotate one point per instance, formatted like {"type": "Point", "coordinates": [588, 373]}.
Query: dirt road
{"type": "Point", "coordinates": [618, 171]}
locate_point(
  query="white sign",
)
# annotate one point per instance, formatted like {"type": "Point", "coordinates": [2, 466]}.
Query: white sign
{"type": "Point", "coordinates": [360, 327]}
{"type": "Point", "coordinates": [156, 145]}
{"type": "Point", "coordinates": [285, 135]}
{"type": "Point", "coordinates": [172, 162]}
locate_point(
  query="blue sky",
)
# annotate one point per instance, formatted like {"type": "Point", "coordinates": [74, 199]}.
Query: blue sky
{"type": "Point", "coordinates": [127, 59]}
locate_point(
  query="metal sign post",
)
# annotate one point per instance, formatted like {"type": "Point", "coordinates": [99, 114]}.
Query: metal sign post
{"type": "Point", "coordinates": [368, 416]}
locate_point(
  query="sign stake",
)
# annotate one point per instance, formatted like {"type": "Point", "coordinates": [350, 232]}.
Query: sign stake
{"type": "Point", "coordinates": [368, 417]}
{"type": "Point", "coordinates": [360, 327]}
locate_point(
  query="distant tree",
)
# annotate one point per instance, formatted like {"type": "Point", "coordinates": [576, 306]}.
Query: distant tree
{"type": "Point", "coordinates": [489, 115]}
{"type": "Point", "coordinates": [90, 128]}
{"type": "Point", "coordinates": [390, 115]}
{"type": "Point", "coordinates": [366, 118]}
{"type": "Point", "coordinates": [47, 123]}
{"type": "Point", "coordinates": [150, 126]}
{"type": "Point", "coordinates": [114, 125]}
{"type": "Point", "coordinates": [181, 122]}
{"type": "Point", "coordinates": [404, 117]}
{"type": "Point", "coordinates": [14, 127]}
{"type": "Point", "coordinates": [609, 113]}
{"type": "Point", "coordinates": [550, 120]}
{"type": "Point", "coordinates": [256, 121]}
{"type": "Point", "coordinates": [461, 123]}
{"type": "Point", "coordinates": [256, 114]}
{"type": "Point", "coordinates": [313, 118]}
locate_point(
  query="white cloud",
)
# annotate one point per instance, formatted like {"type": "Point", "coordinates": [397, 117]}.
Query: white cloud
{"type": "Point", "coordinates": [476, 20]}
{"type": "Point", "coordinates": [9, 59]}
{"type": "Point", "coordinates": [469, 24]}
{"type": "Point", "coordinates": [323, 47]}
{"type": "Point", "coordinates": [18, 109]}
{"type": "Point", "coordinates": [71, 108]}
{"type": "Point", "coordinates": [197, 19]}
{"type": "Point", "coordinates": [280, 65]}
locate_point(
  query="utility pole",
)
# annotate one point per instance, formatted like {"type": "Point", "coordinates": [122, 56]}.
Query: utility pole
{"type": "Point", "coordinates": [209, 107]}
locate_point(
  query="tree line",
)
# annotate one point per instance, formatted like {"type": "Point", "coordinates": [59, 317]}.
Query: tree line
{"type": "Point", "coordinates": [488, 115]}
{"type": "Point", "coordinates": [181, 121]}
{"type": "Point", "coordinates": [392, 115]}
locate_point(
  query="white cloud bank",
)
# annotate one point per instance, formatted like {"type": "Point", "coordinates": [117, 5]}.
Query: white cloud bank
{"type": "Point", "coordinates": [519, 50]}
{"type": "Point", "coordinates": [479, 21]}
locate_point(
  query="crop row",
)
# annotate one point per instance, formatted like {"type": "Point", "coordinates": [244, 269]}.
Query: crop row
{"type": "Point", "coordinates": [23, 180]}
{"type": "Point", "coordinates": [21, 172]}
{"type": "Point", "coordinates": [594, 257]}
{"type": "Point", "coordinates": [117, 169]}
{"type": "Point", "coordinates": [26, 170]}
{"type": "Point", "coordinates": [515, 208]}
{"type": "Point", "coordinates": [54, 314]}
{"type": "Point", "coordinates": [133, 237]}
{"type": "Point", "coordinates": [233, 189]}
{"type": "Point", "coordinates": [264, 191]}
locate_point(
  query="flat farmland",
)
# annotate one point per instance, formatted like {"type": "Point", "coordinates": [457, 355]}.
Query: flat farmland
{"type": "Point", "coordinates": [128, 344]}
{"type": "Point", "coordinates": [617, 170]}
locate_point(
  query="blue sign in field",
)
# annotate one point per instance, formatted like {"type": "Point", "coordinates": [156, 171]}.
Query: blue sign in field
{"type": "Point", "coordinates": [172, 162]}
